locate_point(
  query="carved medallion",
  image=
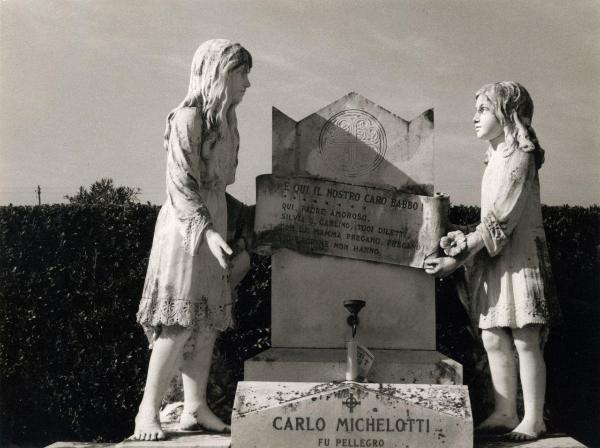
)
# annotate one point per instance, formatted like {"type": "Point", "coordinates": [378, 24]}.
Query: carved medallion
{"type": "Point", "coordinates": [353, 142]}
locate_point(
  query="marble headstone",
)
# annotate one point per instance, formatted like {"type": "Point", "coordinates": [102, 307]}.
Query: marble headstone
{"type": "Point", "coordinates": [349, 213]}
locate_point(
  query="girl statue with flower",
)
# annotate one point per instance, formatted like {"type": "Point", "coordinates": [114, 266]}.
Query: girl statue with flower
{"type": "Point", "coordinates": [510, 279]}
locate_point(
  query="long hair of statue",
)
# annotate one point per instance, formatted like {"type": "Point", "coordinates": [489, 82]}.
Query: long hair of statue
{"type": "Point", "coordinates": [513, 107]}
{"type": "Point", "coordinates": [211, 65]}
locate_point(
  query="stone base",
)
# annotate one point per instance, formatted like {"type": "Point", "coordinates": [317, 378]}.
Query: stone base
{"type": "Point", "coordinates": [322, 365]}
{"type": "Point", "coordinates": [175, 440]}
{"type": "Point", "coordinates": [349, 414]}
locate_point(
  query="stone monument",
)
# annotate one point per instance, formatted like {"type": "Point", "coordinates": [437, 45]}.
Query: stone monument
{"type": "Point", "coordinates": [349, 213]}
{"type": "Point", "coordinates": [349, 217]}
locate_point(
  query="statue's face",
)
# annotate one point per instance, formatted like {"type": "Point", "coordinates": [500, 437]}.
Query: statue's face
{"type": "Point", "coordinates": [487, 126]}
{"type": "Point", "coordinates": [237, 83]}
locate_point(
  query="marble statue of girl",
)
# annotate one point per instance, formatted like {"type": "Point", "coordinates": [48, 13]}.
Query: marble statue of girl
{"type": "Point", "coordinates": [513, 293]}
{"type": "Point", "coordinates": [186, 299]}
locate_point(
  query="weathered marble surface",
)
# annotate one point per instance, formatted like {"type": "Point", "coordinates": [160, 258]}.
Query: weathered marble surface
{"type": "Point", "coordinates": [348, 414]}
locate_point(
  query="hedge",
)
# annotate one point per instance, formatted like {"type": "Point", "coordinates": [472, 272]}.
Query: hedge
{"type": "Point", "coordinates": [73, 360]}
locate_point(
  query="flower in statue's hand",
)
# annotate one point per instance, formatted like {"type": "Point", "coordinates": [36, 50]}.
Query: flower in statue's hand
{"type": "Point", "coordinates": [454, 243]}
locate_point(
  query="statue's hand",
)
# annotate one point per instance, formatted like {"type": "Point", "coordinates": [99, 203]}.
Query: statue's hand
{"type": "Point", "coordinates": [454, 243]}
{"type": "Point", "coordinates": [219, 248]}
{"type": "Point", "coordinates": [442, 266]}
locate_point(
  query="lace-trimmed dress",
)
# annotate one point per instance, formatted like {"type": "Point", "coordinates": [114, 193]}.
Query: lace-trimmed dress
{"type": "Point", "coordinates": [184, 283]}
{"type": "Point", "coordinates": [516, 286]}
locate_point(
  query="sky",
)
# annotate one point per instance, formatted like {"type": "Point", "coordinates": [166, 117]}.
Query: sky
{"type": "Point", "coordinates": [85, 86]}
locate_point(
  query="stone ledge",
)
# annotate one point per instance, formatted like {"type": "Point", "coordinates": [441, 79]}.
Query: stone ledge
{"type": "Point", "coordinates": [192, 439]}
{"type": "Point", "coordinates": [79, 445]}
{"type": "Point", "coordinates": [550, 441]}
{"type": "Point", "coordinates": [199, 440]}
{"type": "Point", "coordinates": [318, 365]}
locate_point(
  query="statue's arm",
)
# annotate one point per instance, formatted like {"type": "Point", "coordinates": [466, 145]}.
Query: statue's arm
{"type": "Point", "coordinates": [183, 186]}
{"type": "Point", "coordinates": [498, 224]}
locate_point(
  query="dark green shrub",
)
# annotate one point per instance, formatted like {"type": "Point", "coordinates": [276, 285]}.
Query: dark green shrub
{"type": "Point", "coordinates": [70, 355]}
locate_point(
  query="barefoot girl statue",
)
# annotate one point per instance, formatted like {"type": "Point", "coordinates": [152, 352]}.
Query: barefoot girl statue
{"type": "Point", "coordinates": [516, 300]}
{"type": "Point", "coordinates": [187, 299]}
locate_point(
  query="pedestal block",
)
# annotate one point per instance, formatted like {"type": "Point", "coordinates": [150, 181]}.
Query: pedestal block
{"type": "Point", "coordinates": [318, 365]}
{"type": "Point", "coordinates": [352, 415]}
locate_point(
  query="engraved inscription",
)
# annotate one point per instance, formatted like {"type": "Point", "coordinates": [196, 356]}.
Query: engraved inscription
{"type": "Point", "coordinates": [351, 221]}
{"type": "Point", "coordinates": [353, 142]}
{"type": "Point", "coordinates": [353, 432]}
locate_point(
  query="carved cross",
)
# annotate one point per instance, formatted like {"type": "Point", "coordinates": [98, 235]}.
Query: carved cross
{"type": "Point", "coordinates": [351, 402]}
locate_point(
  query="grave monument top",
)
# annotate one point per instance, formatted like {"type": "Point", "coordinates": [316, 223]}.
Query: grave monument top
{"type": "Point", "coordinates": [349, 212]}
{"type": "Point", "coordinates": [353, 140]}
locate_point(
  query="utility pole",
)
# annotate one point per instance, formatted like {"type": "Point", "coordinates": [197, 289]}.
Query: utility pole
{"type": "Point", "coordinates": [39, 195]}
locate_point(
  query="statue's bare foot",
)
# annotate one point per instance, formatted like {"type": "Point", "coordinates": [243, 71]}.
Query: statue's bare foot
{"type": "Point", "coordinates": [147, 427]}
{"type": "Point", "coordinates": [204, 418]}
{"type": "Point", "coordinates": [497, 424]}
{"type": "Point", "coordinates": [527, 430]}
